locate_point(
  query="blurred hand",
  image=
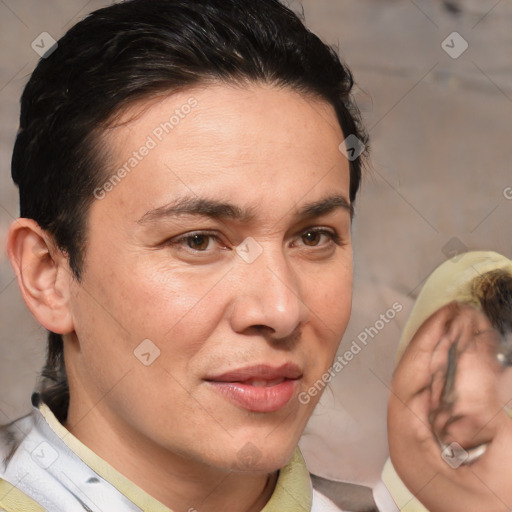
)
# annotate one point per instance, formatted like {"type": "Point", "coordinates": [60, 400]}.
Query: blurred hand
{"type": "Point", "coordinates": [460, 405]}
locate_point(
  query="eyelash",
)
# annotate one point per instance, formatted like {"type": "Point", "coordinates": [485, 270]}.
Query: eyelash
{"type": "Point", "coordinates": [333, 235]}
{"type": "Point", "coordinates": [183, 239]}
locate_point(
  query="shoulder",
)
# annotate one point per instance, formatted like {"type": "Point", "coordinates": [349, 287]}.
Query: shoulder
{"type": "Point", "coordinates": [11, 436]}
{"type": "Point", "coordinates": [14, 500]}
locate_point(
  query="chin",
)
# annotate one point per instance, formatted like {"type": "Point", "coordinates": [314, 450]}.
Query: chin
{"type": "Point", "coordinates": [261, 456]}
{"type": "Point", "coordinates": [251, 460]}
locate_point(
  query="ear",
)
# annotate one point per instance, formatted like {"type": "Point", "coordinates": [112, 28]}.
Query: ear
{"type": "Point", "coordinates": [43, 274]}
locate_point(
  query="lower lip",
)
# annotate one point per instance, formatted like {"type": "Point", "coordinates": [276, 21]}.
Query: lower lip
{"type": "Point", "coordinates": [258, 399]}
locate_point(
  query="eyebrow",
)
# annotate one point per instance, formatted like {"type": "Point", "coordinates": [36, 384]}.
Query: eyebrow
{"type": "Point", "coordinates": [224, 210]}
{"type": "Point", "coordinates": [325, 206]}
{"type": "Point", "coordinates": [197, 206]}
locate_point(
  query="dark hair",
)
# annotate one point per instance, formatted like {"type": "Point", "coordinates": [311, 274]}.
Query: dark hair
{"type": "Point", "coordinates": [139, 49]}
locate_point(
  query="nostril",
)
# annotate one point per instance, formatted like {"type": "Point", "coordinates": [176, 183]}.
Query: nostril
{"type": "Point", "coordinates": [263, 328]}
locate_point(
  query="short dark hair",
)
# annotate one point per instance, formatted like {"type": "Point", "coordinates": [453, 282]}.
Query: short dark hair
{"type": "Point", "coordinates": [135, 50]}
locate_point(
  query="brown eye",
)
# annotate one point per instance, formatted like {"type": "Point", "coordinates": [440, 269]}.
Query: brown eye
{"type": "Point", "coordinates": [311, 238]}
{"type": "Point", "coordinates": [198, 242]}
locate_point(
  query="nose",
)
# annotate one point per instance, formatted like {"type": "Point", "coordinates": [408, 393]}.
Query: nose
{"type": "Point", "coordinates": [268, 297]}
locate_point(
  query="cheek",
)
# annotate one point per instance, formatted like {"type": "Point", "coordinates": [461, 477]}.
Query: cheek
{"type": "Point", "coordinates": [115, 314]}
{"type": "Point", "coordinates": [173, 305]}
{"type": "Point", "coordinates": [329, 298]}
{"type": "Point", "coordinates": [174, 309]}
{"type": "Point", "coordinates": [159, 305]}
{"type": "Point", "coordinates": [329, 295]}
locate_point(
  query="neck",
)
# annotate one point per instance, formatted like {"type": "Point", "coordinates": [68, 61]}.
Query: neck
{"type": "Point", "coordinates": [172, 479]}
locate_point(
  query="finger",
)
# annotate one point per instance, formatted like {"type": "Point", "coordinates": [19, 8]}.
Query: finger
{"type": "Point", "coordinates": [414, 372]}
{"type": "Point", "coordinates": [437, 388]}
{"type": "Point", "coordinates": [466, 326]}
{"type": "Point", "coordinates": [477, 395]}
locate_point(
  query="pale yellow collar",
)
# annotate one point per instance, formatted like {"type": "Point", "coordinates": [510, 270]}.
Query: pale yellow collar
{"type": "Point", "coordinates": [293, 491]}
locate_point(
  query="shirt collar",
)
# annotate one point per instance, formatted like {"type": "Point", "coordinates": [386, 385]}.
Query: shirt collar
{"type": "Point", "coordinates": [293, 492]}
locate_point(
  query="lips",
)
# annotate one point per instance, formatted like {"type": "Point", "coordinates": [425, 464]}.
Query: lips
{"type": "Point", "coordinates": [264, 383]}
{"type": "Point", "coordinates": [259, 388]}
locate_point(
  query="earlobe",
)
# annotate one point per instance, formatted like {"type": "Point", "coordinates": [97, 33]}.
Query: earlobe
{"type": "Point", "coordinates": [43, 274]}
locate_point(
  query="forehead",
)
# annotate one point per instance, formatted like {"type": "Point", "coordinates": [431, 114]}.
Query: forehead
{"type": "Point", "coordinates": [256, 144]}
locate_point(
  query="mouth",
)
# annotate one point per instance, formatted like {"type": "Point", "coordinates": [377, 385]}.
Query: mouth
{"type": "Point", "coordinates": [259, 388]}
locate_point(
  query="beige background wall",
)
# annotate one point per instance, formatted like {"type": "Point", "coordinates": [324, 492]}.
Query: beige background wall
{"type": "Point", "coordinates": [441, 141]}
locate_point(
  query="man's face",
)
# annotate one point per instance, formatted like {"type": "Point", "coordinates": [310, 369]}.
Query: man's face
{"type": "Point", "coordinates": [225, 246]}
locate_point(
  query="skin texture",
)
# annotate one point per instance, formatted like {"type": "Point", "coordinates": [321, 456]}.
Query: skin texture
{"type": "Point", "coordinates": [477, 416]}
{"type": "Point", "coordinates": [269, 152]}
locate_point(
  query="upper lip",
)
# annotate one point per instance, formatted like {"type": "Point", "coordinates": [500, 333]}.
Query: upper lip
{"type": "Point", "coordinates": [259, 372]}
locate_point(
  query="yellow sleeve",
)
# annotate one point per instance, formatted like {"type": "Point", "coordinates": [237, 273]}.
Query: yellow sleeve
{"type": "Point", "coordinates": [13, 500]}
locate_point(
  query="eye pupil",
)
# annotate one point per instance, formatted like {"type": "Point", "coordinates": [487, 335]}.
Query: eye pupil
{"type": "Point", "coordinates": [198, 242]}
{"type": "Point", "coordinates": [311, 238]}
